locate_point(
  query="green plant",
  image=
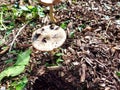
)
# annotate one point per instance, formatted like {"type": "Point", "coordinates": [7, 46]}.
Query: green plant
{"type": "Point", "coordinates": [81, 27]}
{"type": "Point", "coordinates": [64, 24]}
{"type": "Point", "coordinates": [29, 12]}
{"type": "Point", "coordinates": [118, 74]}
{"type": "Point", "coordinates": [59, 59]}
{"type": "Point", "coordinates": [72, 34]}
{"type": "Point", "coordinates": [13, 15]}
{"type": "Point", "coordinates": [10, 14]}
{"type": "Point", "coordinates": [19, 84]}
{"type": "Point", "coordinates": [19, 66]}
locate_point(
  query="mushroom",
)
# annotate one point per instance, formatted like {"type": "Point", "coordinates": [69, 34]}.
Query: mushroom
{"type": "Point", "coordinates": [50, 3]}
{"type": "Point", "coordinates": [48, 38]}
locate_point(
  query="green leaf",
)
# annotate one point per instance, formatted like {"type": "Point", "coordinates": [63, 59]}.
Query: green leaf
{"type": "Point", "coordinates": [19, 85]}
{"type": "Point", "coordinates": [81, 27]}
{"type": "Point", "coordinates": [30, 7]}
{"type": "Point", "coordinates": [29, 16]}
{"type": "Point", "coordinates": [9, 61]}
{"type": "Point", "coordinates": [72, 34]}
{"type": "Point", "coordinates": [17, 12]}
{"type": "Point", "coordinates": [63, 25]}
{"type": "Point", "coordinates": [12, 71]}
{"type": "Point", "coordinates": [118, 73]}
{"type": "Point", "coordinates": [4, 7]}
{"type": "Point", "coordinates": [24, 8]}
{"type": "Point", "coordinates": [58, 61]}
{"type": "Point", "coordinates": [59, 54]}
{"type": "Point", "coordinates": [16, 70]}
{"type": "Point", "coordinates": [19, 66]}
{"type": "Point", "coordinates": [23, 58]}
{"type": "Point", "coordinates": [40, 11]}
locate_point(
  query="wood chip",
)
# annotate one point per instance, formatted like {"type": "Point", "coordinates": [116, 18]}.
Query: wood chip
{"type": "Point", "coordinates": [83, 75]}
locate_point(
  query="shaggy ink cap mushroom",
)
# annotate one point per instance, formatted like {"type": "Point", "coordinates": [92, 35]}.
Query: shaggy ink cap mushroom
{"type": "Point", "coordinates": [48, 38]}
{"type": "Point", "coordinates": [50, 3]}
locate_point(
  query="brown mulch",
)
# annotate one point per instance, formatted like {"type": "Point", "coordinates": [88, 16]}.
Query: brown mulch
{"type": "Point", "coordinates": [91, 57]}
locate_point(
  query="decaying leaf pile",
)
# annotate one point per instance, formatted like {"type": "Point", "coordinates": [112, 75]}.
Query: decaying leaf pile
{"type": "Point", "coordinates": [91, 53]}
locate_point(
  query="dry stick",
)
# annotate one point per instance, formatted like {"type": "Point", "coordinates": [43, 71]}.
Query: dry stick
{"type": "Point", "coordinates": [30, 2]}
{"type": "Point", "coordinates": [1, 20]}
{"type": "Point", "coordinates": [52, 68]}
{"type": "Point", "coordinates": [4, 50]}
{"type": "Point", "coordinates": [108, 25]}
{"type": "Point", "coordinates": [21, 2]}
{"type": "Point", "coordinates": [83, 73]}
{"type": "Point", "coordinates": [17, 35]}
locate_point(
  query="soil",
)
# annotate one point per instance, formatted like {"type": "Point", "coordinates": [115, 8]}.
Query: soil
{"type": "Point", "coordinates": [91, 57]}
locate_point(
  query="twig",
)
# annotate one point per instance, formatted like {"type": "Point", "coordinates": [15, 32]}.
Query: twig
{"type": "Point", "coordinates": [4, 50]}
{"type": "Point", "coordinates": [52, 68]}
{"type": "Point", "coordinates": [89, 61]}
{"type": "Point", "coordinates": [30, 2]}
{"type": "Point", "coordinates": [83, 73]}
{"type": "Point", "coordinates": [11, 45]}
{"type": "Point", "coordinates": [21, 2]}
{"type": "Point", "coordinates": [108, 25]}
{"type": "Point", "coordinates": [1, 20]}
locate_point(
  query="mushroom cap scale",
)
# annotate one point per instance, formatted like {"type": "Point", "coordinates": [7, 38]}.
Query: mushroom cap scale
{"type": "Point", "coordinates": [49, 2]}
{"type": "Point", "coordinates": [48, 38]}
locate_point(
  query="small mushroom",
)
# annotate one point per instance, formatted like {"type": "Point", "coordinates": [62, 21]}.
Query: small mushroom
{"type": "Point", "coordinates": [48, 38]}
{"type": "Point", "coordinates": [50, 3]}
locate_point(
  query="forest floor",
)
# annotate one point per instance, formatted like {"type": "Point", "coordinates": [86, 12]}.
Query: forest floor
{"type": "Point", "coordinates": [90, 54]}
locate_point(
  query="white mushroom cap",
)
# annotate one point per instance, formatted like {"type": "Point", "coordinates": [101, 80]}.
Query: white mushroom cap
{"type": "Point", "coordinates": [48, 38]}
{"type": "Point", "coordinates": [49, 2]}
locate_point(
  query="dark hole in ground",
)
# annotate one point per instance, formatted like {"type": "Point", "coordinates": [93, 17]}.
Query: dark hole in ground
{"type": "Point", "coordinates": [51, 81]}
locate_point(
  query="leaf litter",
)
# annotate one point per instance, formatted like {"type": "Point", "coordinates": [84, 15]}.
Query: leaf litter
{"type": "Point", "coordinates": [91, 58]}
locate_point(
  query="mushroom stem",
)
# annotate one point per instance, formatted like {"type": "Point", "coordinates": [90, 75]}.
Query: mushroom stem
{"type": "Point", "coordinates": [51, 14]}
